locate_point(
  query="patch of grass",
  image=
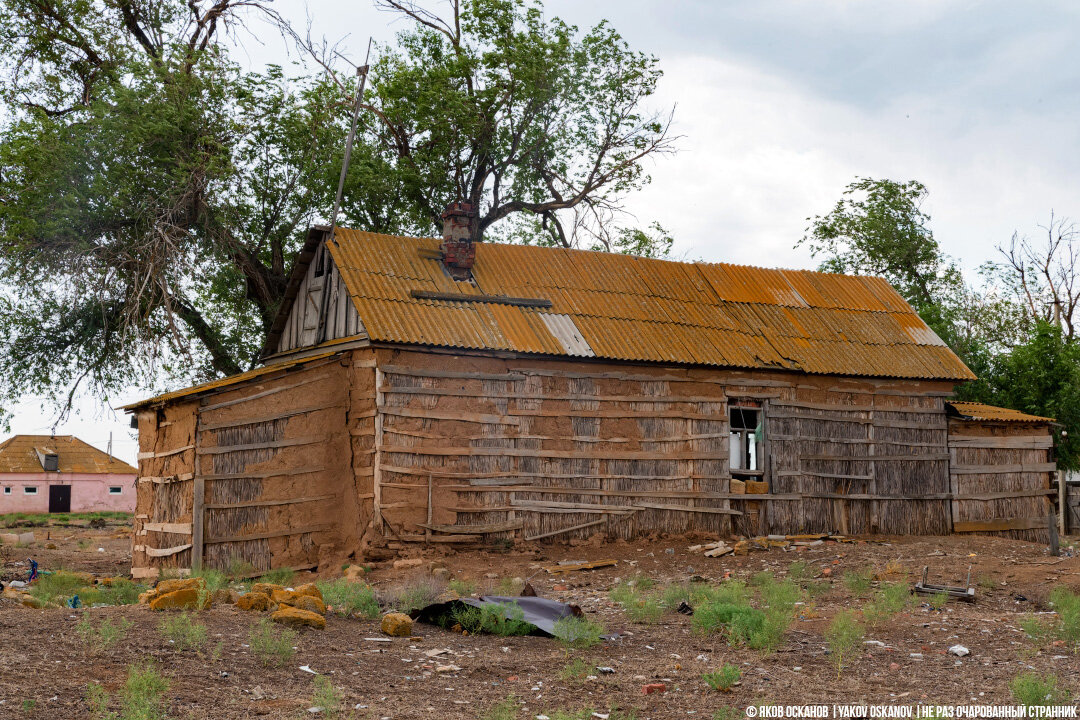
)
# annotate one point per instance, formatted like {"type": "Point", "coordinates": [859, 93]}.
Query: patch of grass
{"type": "Point", "coordinates": [121, 592]}
{"type": "Point", "coordinates": [413, 596]}
{"type": "Point", "coordinates": [844, 635]}
{"type": "Point", "coordinates": [328, 698]}
{"type": "Point", "coordinates": [506, 587]}
{"type": "Point", "coordinates": [727, 609]}
{"type": "Point", "coordinates": [97, 702]}
{"type": "Point", "coordinates": [505, 709]}
{"type": "Point", "coordinates": [143, 696]}
{"type": "Point", "coordinates": [1033, 690]}
{"type": "Point", "coordinates": [889, 600]}
{"type": "Point", "coordinates": [938, 601]}
{"type": "Point", "coordinates": [673, 595]}
{"type": "Point", "coordinates": [349, 598]}
{"type": "Point", "coordinates": [271, 645]}
{"type": "Point", "coordinates": [798, 572]}
{"type": "Point", "coordinates": [28, 705]}
{"type": "Point", "coordinates": [639, 606]}
{"type": "Point", "coordinates": [1067, 606]}
{"type": "Point", "coordinates": [761, 579]}
{"type": "Point", "coordinates": [281, 576]}
{"type": "Point", "coordinates": [724, 678]}
{"type": "Point", "coordinates": [215, 579]}
{"type": "Point", "coordinates": [575, 671]}
{"type": "Point", "coordinates": [729, 713]}
{"type": "Point", "coordinates": [578, 633]}
{"type": "Point", "coordinates": [987, 582]}
{"type": "Point", "coordinates": [56, 588]}
{"type": "Point", "coordinates": [240, 569]}
{"type": "Point", "coordinates": [12, 520]}
{"type": "Point", "coordinates": [642, 583]}
{"type": "Point", "coordinates": [858, 582]}
{"type": "Point", "coordinates": [464, 588]}
{"type": "Point", "coordinates": [1036, 630]}
{"type": "Point", "coordinates": [504, 621]}
{"type": "Point", "coordinates": [105, 635]}
{"type": "Point", "coordinates": [183, 632]}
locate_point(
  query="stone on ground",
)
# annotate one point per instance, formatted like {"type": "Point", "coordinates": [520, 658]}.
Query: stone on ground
{"type": "Point", "coordinates": [310, 589]}
{"type": "Point", "coordinates": [168, 587]}
{"type": "Point", "coordinates": [254, 601]}
{"type": "Point", "coordinates": [307, 602]}
{"type": "Point", "coordinates": [294, 617]}
{"type": "Point", "coordinates": [266, 588]}
{"type": "Point", "coordinates": [397, 625]}
{"type": "Point", "coordinates": [184, 599]}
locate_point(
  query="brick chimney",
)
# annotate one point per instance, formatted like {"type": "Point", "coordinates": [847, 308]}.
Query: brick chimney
{"type": "Point", "coordinates": [459, 228]}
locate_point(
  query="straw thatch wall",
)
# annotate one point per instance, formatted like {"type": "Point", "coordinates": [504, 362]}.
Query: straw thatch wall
{"type": "Point", "coordinates": [1001, 478]}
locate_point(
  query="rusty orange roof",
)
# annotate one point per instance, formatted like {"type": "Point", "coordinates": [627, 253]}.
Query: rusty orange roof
{"type": "Point", "coordinates": [624, 307]}
{"type": "Point", "coordinates": [990, 413]}
{"type": "Point", "coordinates": [20, 454]}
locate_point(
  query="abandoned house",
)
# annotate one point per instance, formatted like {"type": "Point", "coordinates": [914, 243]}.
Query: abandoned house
{"type": "Point", "coordinates": [448, 391]}
{"type": "Point", "coordinates": [61, 473]}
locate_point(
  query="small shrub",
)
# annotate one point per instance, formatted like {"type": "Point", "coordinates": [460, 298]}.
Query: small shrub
{"type": "Point", "coordinates": [733, 592]}
{"type": "Point", "coordinates": [938, 601]}
{"type": "Point", "coordinates": [1033, 690]}
{"type": "Point", "coordinates": [272, 645]}
{"type": "Point", "coordinates": [506, 587]}
{"type": "Point", "coordinates": [120, 592]}
{"type": "Point", "coordinates": [575, 671]}
{"type": "Point", "coordinates": [724, 678]}
{"type": "Point", "coordinates": [504, 620]}
{"type": "Point", "coordinates": [888, 601]}
{"type": "Point", "coordinates": [97, 701]}
{"type": "Point", "coordinates": [1067, 606]}
{"type": "Point", "coordinates": [578, 633]}
{"type": "Point", "coordinates": [183, 632]}
{"type": "Point", "coordinates": [844, 634]}
{"type": "Point", "coordinates": [56, 588]}
{"type": "Point", "coordinates": [240, 569]}
{"type": "Point", "coordinates": [464, 588]}
{"type": "Point", "coordinates": [327, 697]}
{"type": "Point", "coordinates": [143, 694]}
{"type": "Point", "coordinates": [643, 583]}
{"type": "Point", "coordinates": [1036, 630]}
{"type": "Point", "coordinates": [644, 610]}
{"type": "Point", "coordinates": [729, 713]}
{"type": "Point", "coordinates": [674, 595]}
{"type": "Point", "coordinates": [858, 582]}
{"type": "Point", "coordinates": [414, 596]}
{"type": "Point", "coordinates": [505, 709]}
{"type": "Point", "coordinates": [105, 635]}
{"type": "Point", "coordinates": [350, 598]}
{"type": "Point", "coordinates": [987, 582]}
{"type": "Point", "coordinates": [781, 597]}
{"type": "Point", "coordinates": [623, 593]}
{"type": "Point", "coordinates": [280, 576]}
{"type": "Point", "coordinates": [798, 572]}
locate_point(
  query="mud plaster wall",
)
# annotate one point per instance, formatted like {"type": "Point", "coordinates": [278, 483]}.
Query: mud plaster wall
{"type": "Point", "coordinates": [275, 456]}
{"type": "Point", "coordinates": [530, 444]}
{"type": "Point", "coordinates": [994, 460]}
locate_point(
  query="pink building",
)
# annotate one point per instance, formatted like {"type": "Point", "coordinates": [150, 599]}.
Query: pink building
{"type": "Point", "coordinates": [60, 473]}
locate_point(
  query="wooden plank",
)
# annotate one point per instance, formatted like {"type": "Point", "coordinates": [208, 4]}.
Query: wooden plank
{"type": "Point", "coordinates": [878, 458]}
{"type": "Point", "coordinates": [168, 527]}
{"type": "Point", "coordinates": [442, 538]}
{"type": "Point", "coordinates": [270, 534]}
{"type": "Point", "coordinates": [268, 503]}
{"type": "Point", "coordinates": [823, 406]}
{"type": "Point", "coordinates": [466, 475]}
{"type": "Point", "coordinates": [166, 479]}
{"type": "Point", "coordinates": [262, 475]}
{"type": "Point", "coordinates": [1004, 468]}
{"type": "Point", "coordinates": [830, 476]}
{"type": "Point", "coordinates": [265, 418]}
{"type": "Point", "coordinates": [555, 506]}
{"type": "Point", "coordinates": [574, 438]}
{"type": "Point", "coordinates": [999, 524]}
{"type": "Point", "coordinates": [566, 454]}
{"type": "Point", "coordinates": [265, 393]}
{"type": "Point", "coordinates": [462, 392]}
{"type": "Point", "coordinates": [473, 529]}
{"type": "Point", "coordinates": [560, 531]}
{"type": "Point", "coordinates": [164, 453]}
{"type": "Point", "coordinates": [219, 449]}
{"type": "Point", "coordinates": [422, 414]}
{"type": "Point", "coordinates": [494, 299]}
{"type": "Point", "coordinates": [198, 515]}
{"type": "Point", "coordinates": [378, 458]}
{"type": "Point", "coordinates": [687, 508]}
{"type": "Point", "coordinates": [161, 552]}
{"type": "Point", "coordinates": [1027, 442]}
{"type": "Point", "coordinates": [451, 374]}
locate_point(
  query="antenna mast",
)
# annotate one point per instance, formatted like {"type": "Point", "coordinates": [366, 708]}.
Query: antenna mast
{"type": "Point", "coordinates": [361, 73]}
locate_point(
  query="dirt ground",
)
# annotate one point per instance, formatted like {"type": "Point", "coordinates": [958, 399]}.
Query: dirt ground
{"type": "Point", "coordinates": [46, 668]}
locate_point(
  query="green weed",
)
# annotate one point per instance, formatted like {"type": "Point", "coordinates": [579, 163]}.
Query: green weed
{"type": "Point", "coordinates": [1067, 606]}
{"type": "Point", "coordinates": [1033, 690]}
{"type": "Point", "coordinates": [858, 582]}
{"type": "Point", "coordinates": [844, 635]}
{"type": "Point", "coordinates": [141, 698]}
{"type": "Point", "coordinates": [272, 645]}
{"type": "Point", "coordinates": [889, 600]}
{"type": "Point", "coordinates": [328, 698]}
{"type": "Point", "coordinates": [1036, 630]}
{"type": "Point", "coordinates": [504, 620]}
{"type": "Point", "coordinates": [673, 595]}
{"type": "Point", "coordinates": [56, 588]}
{"type": "Point", "coordinates": [120, 592]}
{"type": "Point", "coordinates": [578, 633]}
{"type": "Point", "coordinates": [463, 588]}
{"type": "Point", "coordinates": [724, 678]}
{"type": "Point", "coordinates": [414, 596]}
{"type": "Point", "coordinates": [798, 572]}
{"type": "Point", "coordinates": [183, 632]}
{"type": "Point", "coordinates": [350, 598]}
{"type": "Point", "coordinates": [280, 576]}
{"type": "Point", "coordinates": [505, 709]}
{"type": "Point", "coordinates": [729, 713]}
{"type": "Point", "coordinates": [938, 601]}
{"type": "Point", "coordinates": [105, 635]}
{"type": "Point", "coordinates": [575, 671]}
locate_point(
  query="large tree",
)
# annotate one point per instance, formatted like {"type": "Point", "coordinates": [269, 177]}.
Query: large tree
{"type": "Point", "coordinates": [152, 193]}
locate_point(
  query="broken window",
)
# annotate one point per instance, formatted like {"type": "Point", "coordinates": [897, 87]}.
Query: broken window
{"type": "Point", "coordinates": [745, 439]}
{"type": "Point", "coordinates": [320, 262]}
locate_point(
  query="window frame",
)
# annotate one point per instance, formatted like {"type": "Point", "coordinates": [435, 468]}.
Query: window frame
{"type": "Point", "coordinates": [759, 458]}
{"type": "Point", "coordinates": [116, 489]}
{"type": "Point", "coordinates": [30, 490]}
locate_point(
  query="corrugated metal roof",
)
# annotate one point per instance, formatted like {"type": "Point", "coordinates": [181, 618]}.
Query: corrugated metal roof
{"type": "Point", "coordinates": [19, 454]}
{"type": "Point", "coordinates": [632, 308]}
{"type": "Point", "coordinates": [231, 379]}
{"type": "Point", "coordinates": [990, 413]}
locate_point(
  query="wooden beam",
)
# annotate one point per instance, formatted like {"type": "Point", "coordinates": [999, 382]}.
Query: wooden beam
{"type": "Point", "coordinates": [492, 299]}
{"type": "Point", "coordinates": [166, 479]}
{"type": "Point", "coordinates": [999, 524]}
{"type": "Point", "coordinates": [198, 515]}
{"type": "Point", "coordinates": [268, 503]}
{"type": "Point", "coordinates": [1026, 442]}
{"type": "Point", "coordinates": [271, 534]}
{"type": "Point", "coordinates": [164, 453]}
{"type": "Point", "coordinates": [568, 454]}
{"type": "Point", "coordinates": [265, 393]}
{"type": "Point", "coordinates": [262, 475]}
{"type": "Point", "coordinates": [219, 449]}
{"type": "Point", "coordinates": [161, 552]}
{"type": "Point", "coordinates": [473, 529]}
{"type": "Point", "coordinates": [560, 531]}
{"type": "Point", "coordinates": [168, 527]}
{"type": "Point", "coordinates": [1003, 468]}
{"type": "Point", "coordinates": [266, 418]}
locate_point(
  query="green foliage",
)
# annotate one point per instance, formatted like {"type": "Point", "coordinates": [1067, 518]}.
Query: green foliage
{"type": "Point", "coordinates": [464, 588]}
{"type": "Point", "coordinates": [575, 671]}
{"type": "Point", "coordinates": [726, 608]}
{"type": "Point", "coordinates": [938, 601]}
{"type": "Point", "coordinates": [858, 581]}
{"type": "Point", "coordinates": [105, 635]}
{"type": "Point", "coordinates": [1067, 606]}
{"type": "Point", "coordinates": [328, 698]}
{"type": "Point", "coordinates": [640, 606]}
{"type": "Point", "coordinates": [14, 520]}
{"type": "Point", "coordinates": [844, 636]}
{"type": "Point", "coordinates": [724, 678]}
{"type": "Point", "coordinates": [1033, 690]}
{"type": "Point", "coordinates": [273, 646]}
{"type": "Point", "coordinates": [505, 620]}
{"type": "Point", "coordinates": [798, 572]}
{"type": "Point", "coordinates": [120, 591]}
{"type": "Point", "coordinates": [578, 633]}
{"type": "Point", "coordinates": [349, 598]}
{"type": "Point", "coordinates": [728, 713]}
{"type": "Point", "coordinates": [1035, 629]}
{"type": "Point", "coordinates": [182, 631]}
{"type": "Point", "coordinates": [280, 576]}
{"type": "Point", "coordinates": [188, 183]}
{"type": "Point", "coordinates": [890, 599]}
{"type": "Point", "coordinates": [673, 595]}
{"type": "Point", "coordinates": [505, 709]}
{"type": "Point", "coordinates": [141, 698]}
{"type": "Point", "coordinates": [413, 596]}
{"type": "Point", "coordinates": [57, 587]}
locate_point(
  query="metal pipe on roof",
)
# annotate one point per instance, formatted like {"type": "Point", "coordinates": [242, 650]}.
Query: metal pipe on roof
{"type": "Point", "coordinates": [361, 72]}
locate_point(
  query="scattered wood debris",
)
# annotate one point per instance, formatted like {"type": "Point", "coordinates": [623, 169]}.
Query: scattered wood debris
{"type": "Point", "coordinates": [574, 565]}
{"type": "Point", "coordinates": [785, 542]}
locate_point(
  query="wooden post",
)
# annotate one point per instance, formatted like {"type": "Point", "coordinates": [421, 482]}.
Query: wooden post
{"type": "Point", "coordinates": [376, 470]}
{"type": "Point", "coordinates": [198, 510]}
{"type": "Point", "coordinates": [427, 530]}
{"type": "Point", "coordinates": [1062, 501]}
{"type": "Point", "coordinates": [1051, 522]}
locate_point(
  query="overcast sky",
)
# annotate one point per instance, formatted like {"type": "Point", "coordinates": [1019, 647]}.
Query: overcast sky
{"type": "Point", "coordinates": [781, 103]}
